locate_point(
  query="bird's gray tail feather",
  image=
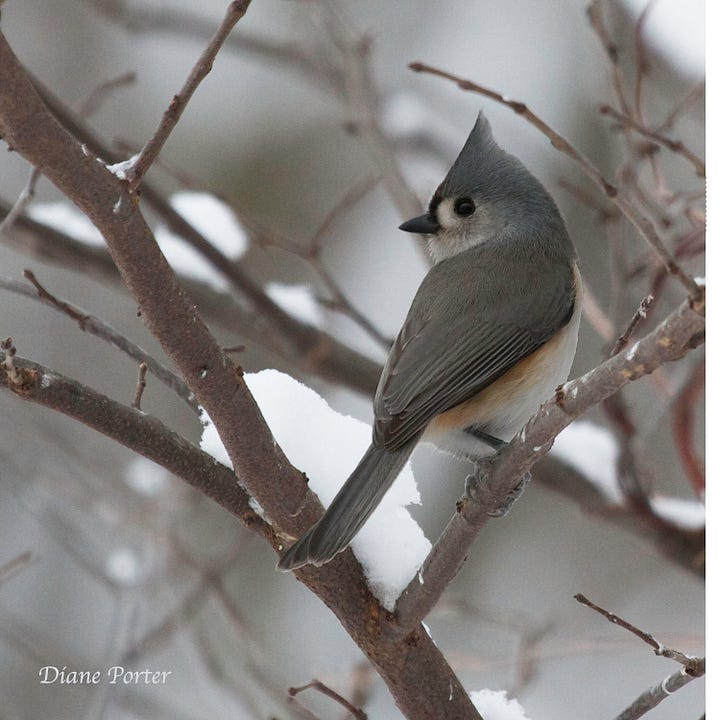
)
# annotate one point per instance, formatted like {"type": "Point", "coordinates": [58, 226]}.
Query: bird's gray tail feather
{"type": "Point", "coordinates": [348, 512]}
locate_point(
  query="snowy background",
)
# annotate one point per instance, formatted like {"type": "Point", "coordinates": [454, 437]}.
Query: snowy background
{"type": "Point", "coordinates": [118, 546]}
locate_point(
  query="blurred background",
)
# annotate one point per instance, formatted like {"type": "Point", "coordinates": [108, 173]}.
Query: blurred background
{"type": "Point", "coordinates": [314, 131]}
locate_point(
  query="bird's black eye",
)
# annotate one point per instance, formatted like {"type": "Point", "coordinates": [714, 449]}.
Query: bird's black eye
{"type": "Point", "coordinates": [464, 207]}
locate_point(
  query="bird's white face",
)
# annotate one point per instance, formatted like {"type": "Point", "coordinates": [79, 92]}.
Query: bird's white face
{"type": "Point", "coordinates": [463, 225]}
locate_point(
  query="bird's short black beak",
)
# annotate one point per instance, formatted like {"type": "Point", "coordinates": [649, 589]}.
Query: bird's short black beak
{"type": "Point", "coordinates": [422, 224]}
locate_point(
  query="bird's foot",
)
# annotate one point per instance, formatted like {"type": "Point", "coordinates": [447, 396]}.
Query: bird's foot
{"type": "Point", "coordinates": [512, 497]}
{"type": "Point", "coordinates": [476, 488]}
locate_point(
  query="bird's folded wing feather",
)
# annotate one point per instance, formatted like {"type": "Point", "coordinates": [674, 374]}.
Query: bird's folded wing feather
{"type": "Point", "coordinates": [469, 324]}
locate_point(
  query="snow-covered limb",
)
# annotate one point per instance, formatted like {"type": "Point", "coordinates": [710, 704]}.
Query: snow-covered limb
{"type": "Point", "coordinates": [327, 445]}
{"type": "Point", "coordinates": [681, 331]}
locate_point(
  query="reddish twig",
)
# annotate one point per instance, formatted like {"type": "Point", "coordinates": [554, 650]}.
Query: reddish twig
{"type": "Point", "coordinates": [675, 146]}
{"type": "Point", "coordinates": [605, 213]}
{"type": "Point", "coordinates": [140, 166]}
{"type": "Point", "coordinates": [689, 663]}
{"type": "Point", "coordinates": [329, 692]}
{"type": "Point", "coordinates": [642, 61]}
{"type": "Point", "coordinates": [140, 387]}
{"type": "Point", "coordinates": [685, 103]}
{"type": "Point", "coordinates": [684, 424]}
{"type": "Point", "coordinates": [611, 50]}
{"type": "Point", "coordinates": [640, 314]}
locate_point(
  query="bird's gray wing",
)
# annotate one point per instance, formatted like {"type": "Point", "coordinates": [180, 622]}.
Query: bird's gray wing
{"type": "Point", "coordinates": [469, 323]}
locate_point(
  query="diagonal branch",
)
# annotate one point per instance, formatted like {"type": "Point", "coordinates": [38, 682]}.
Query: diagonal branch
{"type": "Point", "coordinates": [236, 10]}
{"type": "Point", "coordinates": [653, 696]}
{"type": "Point", "coordinates": [94, 326]}
{"type": "Point", "coordinates": [320, 354]}
{"type": "Point", "coordinates": [676, 146]}
{"type": "Point", "coordinates": [641, 223]}
{"type": "Point", "coordinates": [309, 349]}
{"type": "Point", "coordinates": [688, 662]}
{"type": "Point", "coordinates": [681, 331]}
{"type": "Point", "coordinates": [138, 431]}
{"type": "Point", "coordinates": [417, 674]}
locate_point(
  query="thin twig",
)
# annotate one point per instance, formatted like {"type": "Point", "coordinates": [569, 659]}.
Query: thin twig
{"type": "Point", "coordinates": [675, 146]}
{"type": "Point", "coordinates": [653, 696]}
{"type": "Point", "coordinates": [94, 326]}
{"type": "Point", "coordinates": [140, 386]}
{"type": "Point", "coordinates": [144, 19]}
{"type": "Point", "coordinates": [312, 254]}
{"type": "Point", "coordinates": [684, 423]}
{"type": "Point", "coordinates": [689, 663]}
{"type": "Point", "coordinates": [236, 10]}
{"type": "Point", "coordinates": [351, 198]}
{"type": "Point", "coordinates": [640, 314]}
{"type": "Point", "coordinates": [685, 103]}
{"type": "Point", "coordinates": [597, 23]}
{"type": "Point", "coordinates": [23, 200]}
{"type": "Point", "coordinates": [14, 566]}
{"type": "Point", "coordinates": [363, 102]}
{"type": "Point", "coordinates": [642, 224]}
{"type": "Point", "coordinates": [325, 690]}
{"type": "Point", "coordinates": [605, 213]}
{"type": "Point", "coordinates": [97, 97]}
{"type": "Point", "coordinates": [642, 61]}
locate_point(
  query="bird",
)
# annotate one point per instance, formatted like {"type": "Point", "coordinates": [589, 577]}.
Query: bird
{"type": "Point", "coordinates": [491, 333]}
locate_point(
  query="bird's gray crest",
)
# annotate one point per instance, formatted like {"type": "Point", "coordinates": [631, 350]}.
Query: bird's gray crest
{"type": "Point", "coordinates": [470, 169]}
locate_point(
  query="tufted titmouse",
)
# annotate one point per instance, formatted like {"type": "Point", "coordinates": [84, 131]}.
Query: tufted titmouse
{"type": "Point", "coordinates": [490, 334]}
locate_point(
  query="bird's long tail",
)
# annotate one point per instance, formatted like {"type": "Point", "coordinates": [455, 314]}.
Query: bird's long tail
{"type": "Point", "coordinates": [348, 512]}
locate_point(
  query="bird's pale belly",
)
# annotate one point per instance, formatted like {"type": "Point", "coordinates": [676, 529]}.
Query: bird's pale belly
{"type": "Point", "coordinates": [502, 409]}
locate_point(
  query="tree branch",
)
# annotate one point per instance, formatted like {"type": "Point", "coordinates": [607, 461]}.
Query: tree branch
{"type": "Point", "coordinates": [689, 663]}
{"type": "Point", "coordinates": [324, 357]}
{"type": "Point", "coordinates": [236, 10]}
{"type": "Point", "coordinates": [94, 326]}
{"type": "Point", "coordinates": [141, 433]}
{"type": "Point", "coordinates": [309, 349]}
{"type": "Point", "coordinates": [417, 674]}
{"type": "Point", "coordinates": [681, 331]}
{"type": "Point", "coordinates": [675, 146]}
{"type": "Point", "coordinates": [653, 696]}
